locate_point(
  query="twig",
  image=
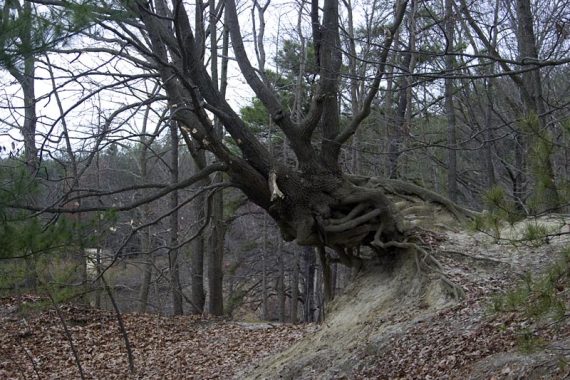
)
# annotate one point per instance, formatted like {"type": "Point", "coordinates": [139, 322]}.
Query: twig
{"type": "Point", "coordinates": [482, 258]}
{"type": "Point", "coordinates": [29, 357]}
{"type": "Point", "coordinates": [67, 335]}
{"type": "Point", "coordinates": [121, 326]}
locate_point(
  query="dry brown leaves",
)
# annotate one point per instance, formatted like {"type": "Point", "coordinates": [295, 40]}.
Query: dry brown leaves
{"type": "Point", "coordinates": [442, 347]}
{"type": "Point", "coordinates": [35, 346]}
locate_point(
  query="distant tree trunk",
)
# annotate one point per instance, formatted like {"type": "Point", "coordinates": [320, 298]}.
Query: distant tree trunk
{"type": "Point", "coordinates": [488, 135]}
{"type": "Point", "coordinates": [490, 91]}
{"type": "Point", "coordinates": [319, 297]}
{"type": "Point", "coordinates": [327, 275]}
{"type": "Point", "coordinates": [71, 184]}
{"type": "Point", "coordinates": [281, 283]}
{"type": "Point", "coordinates": [354, 95]}
{"type": "Point", "coordinates": [146, 236]}
{"type": "Point", "coordinates": [389, 114]}
{"type": "Point", "coordinates": [452, 189]}
{"type": "Point", "coordinates": [309, 295]}
{"type": "Point", "coordinates": [174, 226]}
{"type": "Point", "coordinates": [216, 255]}
{"type": "Point", "coordinates": [396, 137]}
{"type": "Point", "coordinates": [396, 134]}
{"type": "Point", "coordinates": [198, 295]}
{"type": "Point", "coordinates": [534, 102]}
{"type": "Point", "coordinates": [264, 290]}
{"type": "Point", "coordinates": [146, 247]}
{"type": "Point", "coordinates": [26, 80]}
{"type": "Point", "coordinates": [147, 270]}
{"type": "Point", "coordinates": [99, 284]}
{"type": "Point", "coordinates": [519, 180]}
{"type": "Point", "coordinates": [295, 285]}
{"type": "Point", "coordinates": [216, 246]}
{"type": "Point", "coordinates": [334, 278]}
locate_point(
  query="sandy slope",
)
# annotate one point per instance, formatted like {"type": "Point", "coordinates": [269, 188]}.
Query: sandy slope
{"type": "Point", "coordinates": [393, 323]}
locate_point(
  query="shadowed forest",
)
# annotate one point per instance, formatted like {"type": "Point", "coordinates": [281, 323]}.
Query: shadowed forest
{"type": "Point", "coordinates": [309, 189]}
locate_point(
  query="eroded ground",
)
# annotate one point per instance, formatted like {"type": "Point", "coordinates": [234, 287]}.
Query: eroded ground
{"type": "Point", "coordinates": [35, 346]}
{"type": "Point", "coordinates": [390, 324]}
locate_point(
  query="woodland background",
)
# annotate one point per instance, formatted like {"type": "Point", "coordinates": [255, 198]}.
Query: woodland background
{"type": "Point", "coordinates": [106, 201]}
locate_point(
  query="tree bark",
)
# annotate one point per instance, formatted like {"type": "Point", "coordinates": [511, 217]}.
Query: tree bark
{"type": "Point", "coordinates": [295, 286]}
{"type": "Point", "coordinates": [308, 293]}
{"type": "Point", "coordinates": [173, 263]}
{"type": "Point", "coordinates": [534, 103]}
{"type": "Point", "coordinates": [198, 295]}
{"type": "Point", "coordinates": [217, 235]}
{"type": "Point", "coordinates": [452, 188]}
{"type": "Point", "coordinates": [281, 292]}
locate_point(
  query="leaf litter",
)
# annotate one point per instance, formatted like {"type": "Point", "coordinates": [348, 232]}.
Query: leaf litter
{"type": "Point", "coordinates": [33, 344]}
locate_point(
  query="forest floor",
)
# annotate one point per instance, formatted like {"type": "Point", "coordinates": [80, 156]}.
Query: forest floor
{"type": "Point", "coordinates": [389, 324]}
{"type": "Point", "coordinates": [395, 324]}
{"type": "Point", "coordinates": [34, 345]}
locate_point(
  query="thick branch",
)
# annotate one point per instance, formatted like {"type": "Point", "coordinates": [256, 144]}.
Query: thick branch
{"type": "Point", "coordinates": [302, 148]}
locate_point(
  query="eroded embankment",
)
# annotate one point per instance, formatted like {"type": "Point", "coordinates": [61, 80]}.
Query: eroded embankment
{"type": "Point", "coordinates": [394, 323]}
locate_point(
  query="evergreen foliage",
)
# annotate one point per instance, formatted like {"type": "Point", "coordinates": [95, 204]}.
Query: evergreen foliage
{"type": "Point", "coordinates": [542, 300]}
{"type": "Point", "coordinates": [499, 210]}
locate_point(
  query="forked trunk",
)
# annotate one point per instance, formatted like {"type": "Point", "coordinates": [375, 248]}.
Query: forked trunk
{"type": "Point", "coordinates": [329, 210]}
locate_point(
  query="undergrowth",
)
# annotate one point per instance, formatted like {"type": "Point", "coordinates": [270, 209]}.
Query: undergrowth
{"type": "Point", "coordinates": [540, 301]}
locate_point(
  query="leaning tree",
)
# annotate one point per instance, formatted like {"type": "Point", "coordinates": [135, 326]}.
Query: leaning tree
{"type": "Point", "coordinates": [314, 202]}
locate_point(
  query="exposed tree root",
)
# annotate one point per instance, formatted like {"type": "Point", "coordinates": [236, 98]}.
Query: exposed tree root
{"type": "Point", "coordinates": [406, 190]}
{"type": "Point", "coordinates": [425, 262]}
{"type": "Point", "coordinates": [356, 219]}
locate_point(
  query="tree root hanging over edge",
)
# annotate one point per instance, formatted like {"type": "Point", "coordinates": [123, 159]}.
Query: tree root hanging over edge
{"type": "Point", "coordinates": [426, 264]}
{"type": "Point", "coordinates": [358, 221]}
{"type": "Point", "coordinates": [404, 190]}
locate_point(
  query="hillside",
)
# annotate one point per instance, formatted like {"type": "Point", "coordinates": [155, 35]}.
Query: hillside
{"type": "Point", "coordinates": [393, 323]}
{"type": "Point", "coordinates": [390, 323]}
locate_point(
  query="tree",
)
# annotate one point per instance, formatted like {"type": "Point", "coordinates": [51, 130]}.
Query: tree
{"type": "Point", "coordinates": [449, 105]}
{"type": "Point", "coordinates": [528, 83]}
{"type": "Point", "coordinates": [336, 81]}
{"type": "Point", "coordinates": [17, 36]}
{"type": "Point", "coordinates": [316, 205]}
